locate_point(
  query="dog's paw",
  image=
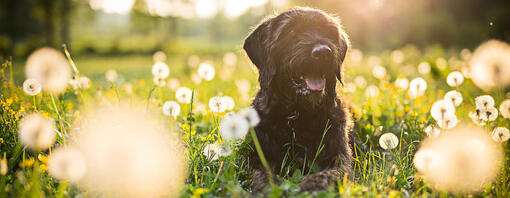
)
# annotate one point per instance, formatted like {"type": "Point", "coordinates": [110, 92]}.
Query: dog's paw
{"type": "Point", "coordinates": [319, 181]}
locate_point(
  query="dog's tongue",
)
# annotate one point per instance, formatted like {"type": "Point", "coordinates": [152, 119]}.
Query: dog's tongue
{"type": "Point", "coordinates": [315, 83]}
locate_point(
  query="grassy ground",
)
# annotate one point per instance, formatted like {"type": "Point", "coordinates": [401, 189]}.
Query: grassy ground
{"type": "Point", "coordinates": [378, 172]}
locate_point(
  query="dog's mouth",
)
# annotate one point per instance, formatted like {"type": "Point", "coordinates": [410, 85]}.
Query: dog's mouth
{"type": "Point", "coordinates": [315, 83]}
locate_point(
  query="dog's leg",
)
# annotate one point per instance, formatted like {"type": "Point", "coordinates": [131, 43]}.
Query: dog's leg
{"type": "Point", "coordinates": [323, 179]}
{"type": "Point", "coordinates": [258, 181]}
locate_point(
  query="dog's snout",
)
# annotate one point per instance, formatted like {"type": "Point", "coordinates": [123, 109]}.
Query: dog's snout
{"type": "Point", "coordinates": [320, 51]}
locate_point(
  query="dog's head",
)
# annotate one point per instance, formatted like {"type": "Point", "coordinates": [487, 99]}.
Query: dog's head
{"type": "Point", "coordinates": [299, 52]}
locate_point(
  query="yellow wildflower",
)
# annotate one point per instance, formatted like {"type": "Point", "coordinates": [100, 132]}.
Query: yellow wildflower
{"type": "Point", "coordinates": [199, 191]}
{"type": "Point", "coordinates": [1, 140]}
{"type": "Point", "coordinates": [27, 163]}
{"type": "Point", "coordinates": [43, 158]}
{"type": "Point", "coordinates": [8, 101]}
{"type": "Point", "coordinates": [43, 167]}
{"type": "Point", "coordinates": [69, 106]}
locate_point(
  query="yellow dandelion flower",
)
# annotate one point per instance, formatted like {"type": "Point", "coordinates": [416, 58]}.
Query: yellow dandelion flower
{"type": "Point", "coordinates": [42, 158]}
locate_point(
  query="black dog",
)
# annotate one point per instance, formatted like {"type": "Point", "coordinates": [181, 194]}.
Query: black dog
{"type": "Point", "coordinates": [299, 54]}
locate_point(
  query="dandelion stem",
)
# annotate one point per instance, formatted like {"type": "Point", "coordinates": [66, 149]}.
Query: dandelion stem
{"type": "Point", "coordinates": [149, 98]}
{"type": "Point", "coordinates": [68, 55]}
{"type": "Point", "coordinates": [35, 104]}
{"type": "Point", "coordinates": [218, 173]}
{"type": "Point", "coordinates": [58, 114]}
{"type": "Point", "coordinates": [262, 157]}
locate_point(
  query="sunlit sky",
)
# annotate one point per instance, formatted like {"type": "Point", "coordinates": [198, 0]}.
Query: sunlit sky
{"type": "Point", "coordinates": [185, 9]}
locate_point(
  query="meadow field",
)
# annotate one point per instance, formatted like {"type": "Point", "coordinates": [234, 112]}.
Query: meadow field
{"type": "Point", "coordinates": [392, 94]}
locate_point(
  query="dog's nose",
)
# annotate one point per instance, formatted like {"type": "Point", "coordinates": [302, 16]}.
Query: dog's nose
{"type": "Point", "coordinates": [320, 51]}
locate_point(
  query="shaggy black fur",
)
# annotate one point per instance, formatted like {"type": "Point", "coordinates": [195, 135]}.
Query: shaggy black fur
{"type": "Point", "coordinates": [295, 114]}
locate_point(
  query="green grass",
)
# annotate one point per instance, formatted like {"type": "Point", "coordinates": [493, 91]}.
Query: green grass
{"type": "Point", "coordinates": [375, 169]}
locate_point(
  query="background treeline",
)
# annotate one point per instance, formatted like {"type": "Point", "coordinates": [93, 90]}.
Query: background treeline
{"type": "Point", "coordinates": [373, 25]}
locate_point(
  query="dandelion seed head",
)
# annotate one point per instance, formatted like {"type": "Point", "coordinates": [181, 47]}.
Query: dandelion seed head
{"type": "Point", "coordinates": [372, 91]}
{"type": "Point", "coordinates": [161, 82]}
{"type": "Point", "coordinates": [454, 96]}
{"type": "Point", "coordinates": [218, 104]}
{"type": "Point", "coordinates": [491, 65]}
{"type": "Point", "coordinates": [488, 114]}
{"type": "Point", "coordinates": [67, 164]}
{"type": "Point", "coordinates": [85, 82]}
{"type": "Point", "coordinates": [432, 131]}
{"type": "Point", "coordinates": [360, 81]}
{"type": "Point", "coordinates": [441, 109]}
{"type": "Point", "coordinates": [160, 70]}
{"type": "Point", "coordinates": [183, 95]}
{"type": "Point", "coordinates": [448, 122]}
{"type": "Point", "coordinates": [500, 134]}
{"type": "Point", "coordinates": [388, 141]}
{"type": "Point", "coordinates": [251, 115]}
{"type": "Point", "coordinates": [229, 59]}
{"type": "Point", "coordinates": [127, 154]}
{"type": "Point", "coordinates": [171, 108]}
{"type": "Point", "coordinates": [484, 102]}
{"type": "Point", "coordinates": [234, 127]}
{"type": "Point", "coordinates": [173, 83]}
{"type": "Point", "coordinates": [230, 102]}
{"type": "Point", "coordinates": [50, 68]}
{"type": "Point", "coordinates": [455, 79]}
{"type": "Point", "coordinates": [216, 150]}
{"type": "Point", "coordinates": [206, 71]}
{"type": "Point", "coordinates": [402, 83]}
{"type": "Point", "coordinates": [462, 160]}
{"type": "Point", "coordinates": [424, 68]}
{"type": "Point", "coordinates": [397, 56]}
{"type": "Point", "coordinates": [111, 75]}
{"type": "Point", "coordinates": [37, 132]}
{"type": "Point", "coordinates": [193, 61]}
{"type": "Point", "coordinates": [417, 87]}
{"type": "Point", "coordinates": [504, 108]}
{"type": "Point", "coordinates": [349, 88]}
{"type": "Point", "coordinates": [441, 63]}
{"type": "Point", "coordinates": [379, 72]}
{"type": "Point", "coordinates": [159, 56]}
{"type": "Point", "coordinates": [32, 87]}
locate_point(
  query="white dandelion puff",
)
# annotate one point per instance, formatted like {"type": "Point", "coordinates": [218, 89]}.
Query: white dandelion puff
{"type": "Point", "coordinates": [475, 117]}
{"type": "Point", "coordinates": [173, 83]}
{"type": "Point", "coordinates": [465, 54]}
{"type": "Point", "coordinates": [229, 59]}
{"type": "Point", "coordinates": [128, 87]}
{"type": "Point", "coordinates": [196, 78]}
{"type": "Point", "coordinates": [171, 108]}
{"type": "Point", "coordinates": [218, 104]}
{"type": "Point", "coordinates": [206, 71]}
{"type": "Point", "coordinates": [490, 65]}
{"type": "Point", "coordinates": [379, 72]}
{"type": "Point", "coordinates": [356, 55]}
{"type": "Point", "coordinates": [251, 115]}
{"type": "Point", "coordinates": [424, 68]}
{"type": "Point", "coordinates": [230, 102]}
{"type": "Point", "coordinates": [216, 150]}
{"type": "Point", "coordinates": [488, 114]}
{"type": "Point", "coordinates": [417, 87]}
{"type": "Point", "coordinates": [448, 122]}
{"type": "Point", "coordinates": [441, 63]}
{"type": "Point", "coordinates": [432, 131]}
{"type": "Point", "coordinates": [388, 141]}
{"type": "Point", "coordinates": [441, 109]}
{"type": "Point", "coordinates": [454, 96]}
{"type": "Point", "coordinates": [50, 68]}
{"type": "Point", "coordinates": [397, 56]}
{"type": "Point", "coordinates": [402, 83]}
{"type": "Point", "coordinates": [159, 56]}
{"type": "Point", "coordinates": [455, 79]}
{"type": "Point", "coordinates": [32, 87]}
{"type": "Point", "coordinates": [504, 108]}
{"type": "Point", "coordinates": [349, 88]}
{"type": "Point", "coordinates": [161, 70]}
{"type": "Point", "coordinates": [462, 160]}
{"type": "Point", "coordinates": [484, 102]}
{"type": "Point", "coordinates": [183, 95]}
{"type": "Point", "coordinates": [37, 132]}
{"type": "Point", "coordinates": [67, 163]}
{"type": "Point", "coordinates": [500, 134]}
{"type": "Point", "coordinates": [193, 61]}
{"type": "Point", "coordinates": [111, 75]}
{"type": "Point", "coordinates": [127, 154]}
{"type": "Point", "coordinates": [234, 127]}
{"type": "Point", "coordinates": [372, 91]}
{"type": "Point", "coordinates": [85, 82]}
{"type": "Point", "coordinates": [161, 82]}
{"type": "Point", "coordinates": [360, 81]}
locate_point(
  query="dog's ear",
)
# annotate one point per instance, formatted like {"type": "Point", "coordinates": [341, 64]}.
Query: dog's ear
{"type": "Point", "coordinates": [256, 47]}
{"type": "Point", "coordinates": [343, 47]}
